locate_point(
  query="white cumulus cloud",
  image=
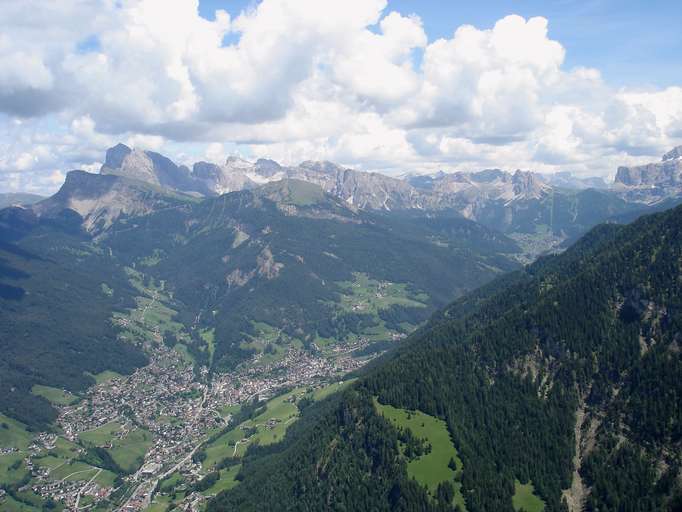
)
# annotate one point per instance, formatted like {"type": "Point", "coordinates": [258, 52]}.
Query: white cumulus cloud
{"type": "Point", "coordinates": [356, 82]}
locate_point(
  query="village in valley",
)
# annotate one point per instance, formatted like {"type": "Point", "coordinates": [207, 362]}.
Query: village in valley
{"type": "Point", "coordinates": [152, 423]}
{"type": "Point", "coordinates": [148, 440]}
{"type": "Point", "coordinates": [171, 435]}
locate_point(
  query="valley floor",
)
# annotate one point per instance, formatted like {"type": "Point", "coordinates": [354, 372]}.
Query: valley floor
{"type": "Point", "coordinates": [148, 440]}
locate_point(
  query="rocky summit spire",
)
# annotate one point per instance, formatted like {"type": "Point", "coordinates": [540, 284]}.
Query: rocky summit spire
{"type": "Point", "coordinates": [116, 155]}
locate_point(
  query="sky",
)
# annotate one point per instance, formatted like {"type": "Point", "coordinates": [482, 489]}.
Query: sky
{"type": "Point", "coordinates": [392, 86]}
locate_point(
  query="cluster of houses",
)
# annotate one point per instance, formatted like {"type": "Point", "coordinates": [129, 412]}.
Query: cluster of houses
{"type": "Point", "coordinates": [167, 399]}
{"type": "Point", "coordinates": [163, 388]}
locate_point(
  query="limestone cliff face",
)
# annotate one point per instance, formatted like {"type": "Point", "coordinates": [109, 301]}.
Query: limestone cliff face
{"type": "Point", "coordinates": [652, 182]}
{"type": "Point", "coordinates": [101, 199]}
{"type": "Point", "coordinates": [152, 168]}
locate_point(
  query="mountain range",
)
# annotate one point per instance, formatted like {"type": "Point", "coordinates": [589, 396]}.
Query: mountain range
{"type": "Point", "coordinates": [559, 206]}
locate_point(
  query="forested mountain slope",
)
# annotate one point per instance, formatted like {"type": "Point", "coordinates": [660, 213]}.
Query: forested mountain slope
{"type": "Point", "coordinates": [57, 293]}
{"type": "Point", "coordinates": [566, 375]}
{"type": "Point", "coordinates": [247, 273]}
{"type": "Point", "coordinates": [294, 258]}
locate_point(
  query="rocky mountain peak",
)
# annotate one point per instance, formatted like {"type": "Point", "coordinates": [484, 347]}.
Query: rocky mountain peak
{"type": "Point", "coordinates": [100, 199]}
{"type": "Point", "coordinates": [267, 167]}
{"type": "Point", "coordinates": [566, 179]}
{"type": "Point", "coordinates": [235, 162]}
{"type": "Point", "coordinates": [205, 170]}
{"type": "Point", "coordinates": [116, 155]}
{"type": "Point", "coordinates": [528, 184]}
{"type": "Point", "coordinates": [138, 165]}
{"type": "Point", "coordinates": [675, 153]}
{"type": "Point", "coordinates": [320, 166]}
{"type": "Point", "coordinates": [150, 167]}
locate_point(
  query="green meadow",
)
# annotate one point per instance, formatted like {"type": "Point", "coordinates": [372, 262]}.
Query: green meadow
{"type": "Point", "coordinates": [525, 499]}
{"type": "Point", "coordinates": [13, 434]}
{"type": "Point", "coordinates": [225, 483]}
{"type": "Point", "coordinates": [129, 452]}
{"type": "Point", "coordinates": [54, 395]}
{"type": "Point", "coordinates": [101, 435]}
{"type": "Point", "coordinates": [105, 376]}
{"type": "Point", "coordinates": [432, 468]}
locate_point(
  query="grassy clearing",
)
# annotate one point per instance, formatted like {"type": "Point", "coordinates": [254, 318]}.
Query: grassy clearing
{"type": "Point", "coordinates": [54, 395]}
{"type": "Point", "coordinates": [13, 434]}
{"type": "Point", "coordinates": [226, 481]}
{"type": "Point", "coordinates": [73, 471]}
{"type": "Point", "coordinates": [267, 428]}
{"type": "Point", "coordinates": [129, 452]}
{"type": "Point", "coordinates": [11, 505]}
{"type": "Point", "coordinates": [107, 290]}
{"type": "Point", "coordinates": [105, 376]}
{"type": "Point", "coordinates": [182, 349]}
{"type": "Point", "coordinates": [525, 499]}
{"type": "Point", "coordinates": [171, 482]}
{"type": "Point", "coordinates": [280, 413]}
{"type": "Point", "coordinates": [106, 478]}
{"type": "Point", "coordinates": [12, 468]}
{"type": "Point", "coordinates": [153, 259]}
{"type": "Point", "coordinates": [222, 447]}
{"type": "Point", "coordinates": [432, 468]}
{"type": "Point", "coordinates": [153, 315]}
{"type": "Point", "coordinates": [324, 392]}
{"type": "Point", "coordinates": [31, 499]}
{"type": "Point", "coordinates": [366, 295]}
{"type": "Point", "coordinates": [270, 342]}
{"type": "Point", "coordinates": [230, 410]}
{"type": "Point", "coordinates": [160, 504]}
{"type": "Point", "coordinates": [64, 448]}
{"type": "Point", "coordinates": [298, 193]}
{"type": "Point", "coordinates": [49, 461]}
{"type": "Point", "coordinates": [102, 435]}
{"type": "Point", "coordinates": [208, 335]}
{"type": "Point", "coordinates": [158, 314]}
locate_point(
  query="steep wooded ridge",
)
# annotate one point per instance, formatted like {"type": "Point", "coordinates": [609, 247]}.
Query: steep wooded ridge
{"type": "Point", "coordinates": [286, 255]}
{"type": "Point", "coordinates": [579, 350]}
{"type": "Point", "coordinates": [54, 316]}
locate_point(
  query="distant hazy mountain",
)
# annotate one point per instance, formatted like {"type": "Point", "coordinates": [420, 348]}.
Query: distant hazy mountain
{"type": "Point", "coordinates": [554, 207]}
{"type": "Point", "coordinates": [567, 180]}
{"type": "Point", "coordinates": [360, 189]}
{"type": "Point", "coordinates": [18, 198]}
{"type": "Point", "coordinates": [523, 203]}
{"type": "Point", "coordinates": [652, 182]}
